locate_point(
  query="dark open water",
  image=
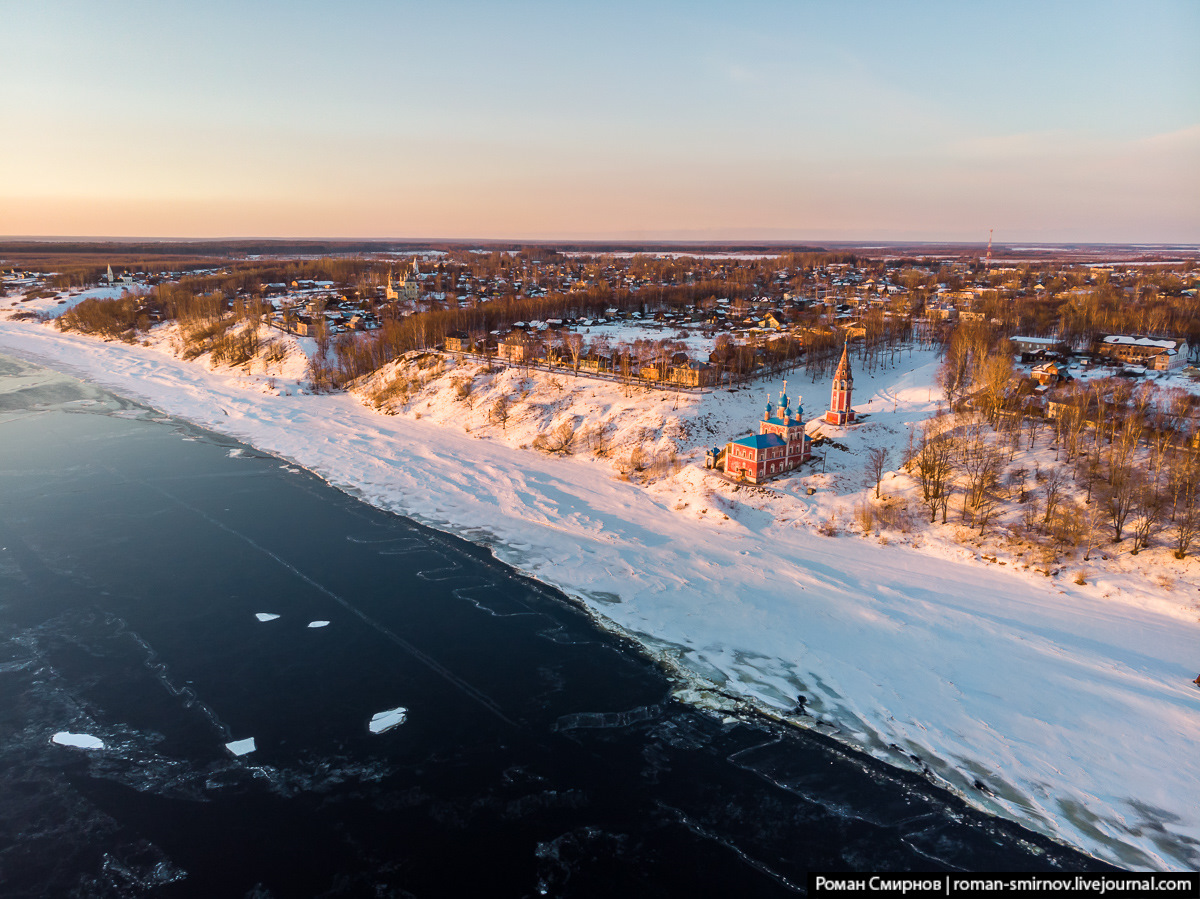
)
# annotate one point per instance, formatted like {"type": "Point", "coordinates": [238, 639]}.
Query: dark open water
{"type": "Point", "coordinates": [539, 756]}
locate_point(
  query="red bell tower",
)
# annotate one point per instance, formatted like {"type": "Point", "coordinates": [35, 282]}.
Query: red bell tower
{"type": "Point", "coordinates": [840, 412]}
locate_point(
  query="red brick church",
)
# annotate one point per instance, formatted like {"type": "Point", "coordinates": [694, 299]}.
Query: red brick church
{"type": "Point", "coordinates": [840, 412]}
{"type": "Point", "coordinates": [779, 446]}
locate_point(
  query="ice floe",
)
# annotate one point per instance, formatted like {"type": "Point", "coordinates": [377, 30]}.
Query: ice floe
{"type": "Point", "coordinates": [388, 719]}
{"type": "Point", "coordinates": [265, 616]}
{"type": "Point", "coordinates": [77, 741]}
{"type": "Point", "coordinates": [241, 747]}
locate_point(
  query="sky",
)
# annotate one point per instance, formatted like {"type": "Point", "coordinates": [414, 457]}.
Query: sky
{"type": "Point", "coordinates": [851, 120]}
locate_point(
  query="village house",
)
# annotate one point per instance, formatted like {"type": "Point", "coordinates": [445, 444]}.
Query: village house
{"type": "Point", "coordinates": [650, 373]}
{"type": "Point", "coordinates": [692, 374]}
{"type": "Point", "coordinates": [1049, 374]}
{"type": "Point", "coordinates": [517, 347]}
{"type": "Point", "coordinates": [596, 363]}
{"type": "Point", "coordinates": [1159, 354]}
{"type": "Point", "coordinates": [457, 342]}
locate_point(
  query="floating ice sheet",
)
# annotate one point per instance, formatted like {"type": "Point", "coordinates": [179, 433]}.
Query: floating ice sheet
{"type": "Point", "coordinates": [78, 741]}
{"type": "Point", "coordinates": [386, 720]}
{"type": "Point", "coordinates": [318, 624]}
{"type": "Point", "coordinates": [241, 747]}
{"type": "Point", "coordinates": [265, 616]}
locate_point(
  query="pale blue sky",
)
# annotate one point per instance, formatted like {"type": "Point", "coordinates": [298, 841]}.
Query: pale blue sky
{"type": "Point", "coordinates": [1045, 121]}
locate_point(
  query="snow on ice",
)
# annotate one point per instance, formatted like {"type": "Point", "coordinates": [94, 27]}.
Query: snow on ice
{"type": "Point", "coordinates": [241, 747]}
{"type": "Point", "coordinates": [386, 720]}
{"type": "Point", "coordinates": [77, 741]}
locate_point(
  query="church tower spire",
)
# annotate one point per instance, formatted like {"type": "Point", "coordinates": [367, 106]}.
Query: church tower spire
{"type": "Point", "coordinates": [840, 412]}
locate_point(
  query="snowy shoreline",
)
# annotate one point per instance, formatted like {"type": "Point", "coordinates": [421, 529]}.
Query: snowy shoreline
{"type": "Point", "coordinates": [1071, 704]}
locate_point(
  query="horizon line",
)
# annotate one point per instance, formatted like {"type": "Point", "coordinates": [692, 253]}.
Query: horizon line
{"type": "Point", "coordinates": [866, 242]}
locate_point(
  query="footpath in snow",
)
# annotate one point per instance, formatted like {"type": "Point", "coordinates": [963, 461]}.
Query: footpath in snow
{"type": "Point", "coordinates": [1067, 707]}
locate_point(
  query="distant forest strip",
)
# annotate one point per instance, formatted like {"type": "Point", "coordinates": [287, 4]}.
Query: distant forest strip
{"type": "Point", "coordinates": [232, 248]}
{"type": "Point", "coordinates": [157, 255]}
{"type": "Point", "coordinates": [214, 249]}
{"type": "Point", "coordinates": [28, 251]}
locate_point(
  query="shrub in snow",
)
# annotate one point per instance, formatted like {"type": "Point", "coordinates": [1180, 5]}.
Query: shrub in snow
{"type": "Point", "coordinates": [558, 440]}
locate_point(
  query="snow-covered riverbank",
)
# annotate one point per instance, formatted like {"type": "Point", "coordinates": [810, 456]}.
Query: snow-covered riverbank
{"type": "Point", "coordinates": [1067, 707]}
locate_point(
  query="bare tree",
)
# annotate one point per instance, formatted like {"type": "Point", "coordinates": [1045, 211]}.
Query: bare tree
{"type": "Point", "coordinates": [1093, 516]}
{"type": "Point", "coordinates": [1054, 482]}
{"type": "Point", "coordinates": [1118, 495]}
{"type": "Point", "coordinates": [1066, 528]}
{"type": "Point", "coordinates": [935, 467]}
{"type": "Point", "coordinates": [954, 378]}
{"type": "Point", "coordinates": [1162, 430]}
{"type": "Point", "coordinates": [1069, 424]}
{"type": "Point", "coordinates": [980, 462]}
{"type": "Point", "coordinates": [1087, 470]}
{"type": "Point", "coordinates": [599, 438]}
{"type": "Point", "coordinates": [877, 461]}
{"type": "Point", "coordinates": [1125, 439]}
{"type": "Point", "coordinates": [993, 375]}
{"type": "Point", "coordinates": [500, 411]}
{"type": "Point", "coordinates": [625, 369]}
{"type": "Point", "coordinates": [1184, 480]}
{"type": "Point", "coordinates": [574, 345]}
{"type": "Point", "coordinates": [1148, 508]}
{"type": "Point", "coordinates": [557, 441]}
{"type": "Point", "coordinates": [1016, 483]}
{"type": "Point", "coordinates": [1033, 424]}
{"type": "Point", "coordinates": [1124, 479]}
{"type": "Point", "coordinates": [552, 346]}
{"type": "Point", "coordinates": [985, 509]}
